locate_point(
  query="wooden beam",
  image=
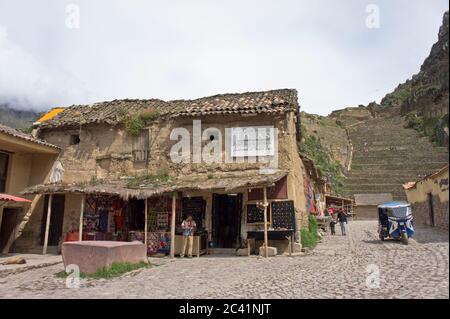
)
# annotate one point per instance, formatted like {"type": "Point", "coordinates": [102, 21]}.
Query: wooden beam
{"type": "Point", "coordinates": [146, 221]}
{"type": "Point", "coordinates": [172, 226]}
{"type": "Point", "coordinates": [80, 228]}
{"type": "Point", "coordinates": [47, 224]}
{"type": "Point", "coordinates": [266, 240]}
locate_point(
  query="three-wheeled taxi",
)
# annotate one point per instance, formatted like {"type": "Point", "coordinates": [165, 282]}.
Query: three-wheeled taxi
{"type": "Point", "coordinates": [395, 221]}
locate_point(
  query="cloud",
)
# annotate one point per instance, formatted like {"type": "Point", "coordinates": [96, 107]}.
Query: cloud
{"type": "Point", "coordinates": [26, 83]}
{"type": "Point", "coordinates": [179, 49]}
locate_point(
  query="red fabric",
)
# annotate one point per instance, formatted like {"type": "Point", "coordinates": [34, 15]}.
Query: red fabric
{"type": "Point", "coordinates": [11, 198]}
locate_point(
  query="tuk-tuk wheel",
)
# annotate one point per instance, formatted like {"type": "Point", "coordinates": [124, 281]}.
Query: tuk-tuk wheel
{"type": "Point", "coordinates": [404, 239]}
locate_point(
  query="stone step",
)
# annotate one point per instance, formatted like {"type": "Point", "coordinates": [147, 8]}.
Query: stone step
{"type": "Point", "coordinates": [429, 166]}
{"type": "Point", "coordinates": [382, 173]}
{"type": "Point", "coordinates": [404, 160]}
{"type": "Point", "coordinates": [394, 155]}
{"type": "Point", "coordinates": [350, 194]}
{"type": "Point", "coordinates": [386, 179]}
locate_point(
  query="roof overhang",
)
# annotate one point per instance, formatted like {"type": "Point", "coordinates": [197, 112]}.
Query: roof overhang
{"type": "Point", "coordinates": [15, 144]}
{"type": "Point", "coordinates": [201, 182]}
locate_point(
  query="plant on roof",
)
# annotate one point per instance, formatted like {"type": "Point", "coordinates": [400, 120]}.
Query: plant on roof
{"type": "Point", "coordinates": [135, 123]}
{"type": "Point", "coordinates": [161, 176]}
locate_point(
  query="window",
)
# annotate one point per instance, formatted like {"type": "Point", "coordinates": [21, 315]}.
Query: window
{"type": "Point", "coordinates": [141, 147]}
{"type": "Point", "coordinates": [74, 139]}
{"type": "Point", "coordinates": [4, 159]}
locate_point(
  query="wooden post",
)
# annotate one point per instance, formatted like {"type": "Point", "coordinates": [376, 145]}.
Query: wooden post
{"type": "Point", "coordinates": [145, 221]}
{"type": "Point", "coordinates": [172, 226]}
{"type": "Point", "coordinates": [266, 240]}
{"type": "Point", "coordinates": [80, 229]}
{"type": "Point", "coordinates": [47, 224]}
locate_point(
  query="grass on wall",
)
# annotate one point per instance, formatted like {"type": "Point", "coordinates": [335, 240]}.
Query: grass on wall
{"type": "Point", "coordinates": [330, 168]}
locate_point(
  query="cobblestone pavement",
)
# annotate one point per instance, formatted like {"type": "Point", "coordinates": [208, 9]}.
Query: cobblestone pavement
{"type": "Point", "coordinates": [340, 267]}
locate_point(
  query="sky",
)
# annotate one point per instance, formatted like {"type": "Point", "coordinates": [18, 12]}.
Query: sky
{"type": "Point", "coordinates": [336, 53]}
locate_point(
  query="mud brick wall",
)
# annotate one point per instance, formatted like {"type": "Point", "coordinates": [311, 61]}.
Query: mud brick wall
{"type": "Point", "coordinates": [422, 216]}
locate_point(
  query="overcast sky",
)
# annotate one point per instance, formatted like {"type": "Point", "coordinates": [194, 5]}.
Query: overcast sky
{"type": "Point", "coordinates": [187, 49]}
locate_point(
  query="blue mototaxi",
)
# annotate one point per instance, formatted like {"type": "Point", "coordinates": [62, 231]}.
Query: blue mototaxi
{"type": "Point", "coordinates": [395, 220]}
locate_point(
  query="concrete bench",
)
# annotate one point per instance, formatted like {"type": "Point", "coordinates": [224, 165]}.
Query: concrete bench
{"type": "Point", "coordinates": [93, 255]}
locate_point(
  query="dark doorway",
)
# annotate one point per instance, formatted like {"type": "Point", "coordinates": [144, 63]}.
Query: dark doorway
{"type": "Point", "coordinates": [227, 210]}
{"type": "Point", "coordinates": [431, 208]}
{"type": "Point", "coordinates": [9, 222]}
{"type": "Point", "coordinates": [136, 218]}
{"type": "Point", "coordinates": [56, 220]}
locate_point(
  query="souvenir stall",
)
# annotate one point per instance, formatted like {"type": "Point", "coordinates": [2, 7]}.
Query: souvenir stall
{"type": "Point", "coordinates": [280, 215]}
{"type": "Point", "coordinates": [104, 218]}
{"type": "Point", "coordinates": [159, 216]}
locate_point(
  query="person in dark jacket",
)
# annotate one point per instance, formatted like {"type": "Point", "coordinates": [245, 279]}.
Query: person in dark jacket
{"type": "Point", "coordinates": [342, 218]}
{"type": "Point", "coordinates": [332, 226]}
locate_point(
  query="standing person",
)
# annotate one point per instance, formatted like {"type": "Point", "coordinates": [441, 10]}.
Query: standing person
{"type": "Point", "coordinates": [332, 226]}
{"type": "Point", "coordinates": [188, 226]}
{"type": "Point", "coordinates": [342, 218]}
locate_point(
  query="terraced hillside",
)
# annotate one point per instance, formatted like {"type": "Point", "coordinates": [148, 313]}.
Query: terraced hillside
{"type": "Point", "coordinates": [393, 155]}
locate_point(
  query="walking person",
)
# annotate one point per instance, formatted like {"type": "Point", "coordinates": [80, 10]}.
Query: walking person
{"type": "Point", "coordinates": [342, 218]}
{"type": "Point", "coordinates": [188, 226]}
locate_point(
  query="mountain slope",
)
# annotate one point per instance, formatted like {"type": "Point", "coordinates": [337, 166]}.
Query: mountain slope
{"type": "Point", "coordinates": [16, 118]}
{"type": "Point", "coordinates": [427, 92]}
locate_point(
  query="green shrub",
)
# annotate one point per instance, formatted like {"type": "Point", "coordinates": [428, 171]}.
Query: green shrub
{"type": "Point", "coordinates": [309, 236]}
{"type": "Point", "coordinates": [135, 123]}
{"type": "Point", "coordinates": [414, 121]}
{"type": "Point", "coordinates": [433, 127]}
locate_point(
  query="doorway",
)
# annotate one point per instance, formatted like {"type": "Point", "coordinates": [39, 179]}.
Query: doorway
{"type": "Point", "coordinates": [431, 209]}
{"type": "Point", "coordinates": [226, 218]}
{"type": "Point", "coordinates": [136, 216]}
{"type": "Point", "coordinates": [8, 226]}
{"type": "Point", "coordinates": [56, 219]}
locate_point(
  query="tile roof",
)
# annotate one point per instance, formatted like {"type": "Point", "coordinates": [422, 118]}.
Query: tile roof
{"type": "Point", "coordinates": [24, 136]}
{"type": "Point", "coordinates": [111, 112]}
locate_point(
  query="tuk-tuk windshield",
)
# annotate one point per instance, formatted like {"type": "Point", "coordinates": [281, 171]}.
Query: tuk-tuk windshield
{"type": "Point", "coordinates": [399, 212]}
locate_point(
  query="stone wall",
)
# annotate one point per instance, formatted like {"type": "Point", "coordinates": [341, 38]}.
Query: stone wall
{"type": "Point", "coordinates": [422, 213]}
{"type": "Point", "coordinates": [106, 152]}
{"type": "Point", "coordinates": [431, 191]}
{"type": "Point", "coordinates": [366, 212]}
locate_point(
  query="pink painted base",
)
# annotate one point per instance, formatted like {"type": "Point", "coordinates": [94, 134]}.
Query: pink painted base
{"type": "Point", "coordinates": [93, 255]}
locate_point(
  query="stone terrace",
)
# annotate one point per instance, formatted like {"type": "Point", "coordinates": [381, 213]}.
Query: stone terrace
{"type": "Point", "coordinates": [395, 155]}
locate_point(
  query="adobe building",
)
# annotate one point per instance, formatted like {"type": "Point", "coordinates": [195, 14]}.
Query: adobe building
{"type": "Point", "coordinates": [24, 161]}
{"type": "Point", "coordinates": [128, 175]}
{"type": "Point", "coordinates": [429, 199]}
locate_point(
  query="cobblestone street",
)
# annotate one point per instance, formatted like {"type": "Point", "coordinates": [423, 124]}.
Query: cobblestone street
{"type": "Point", "coordinates": [340, 267]}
